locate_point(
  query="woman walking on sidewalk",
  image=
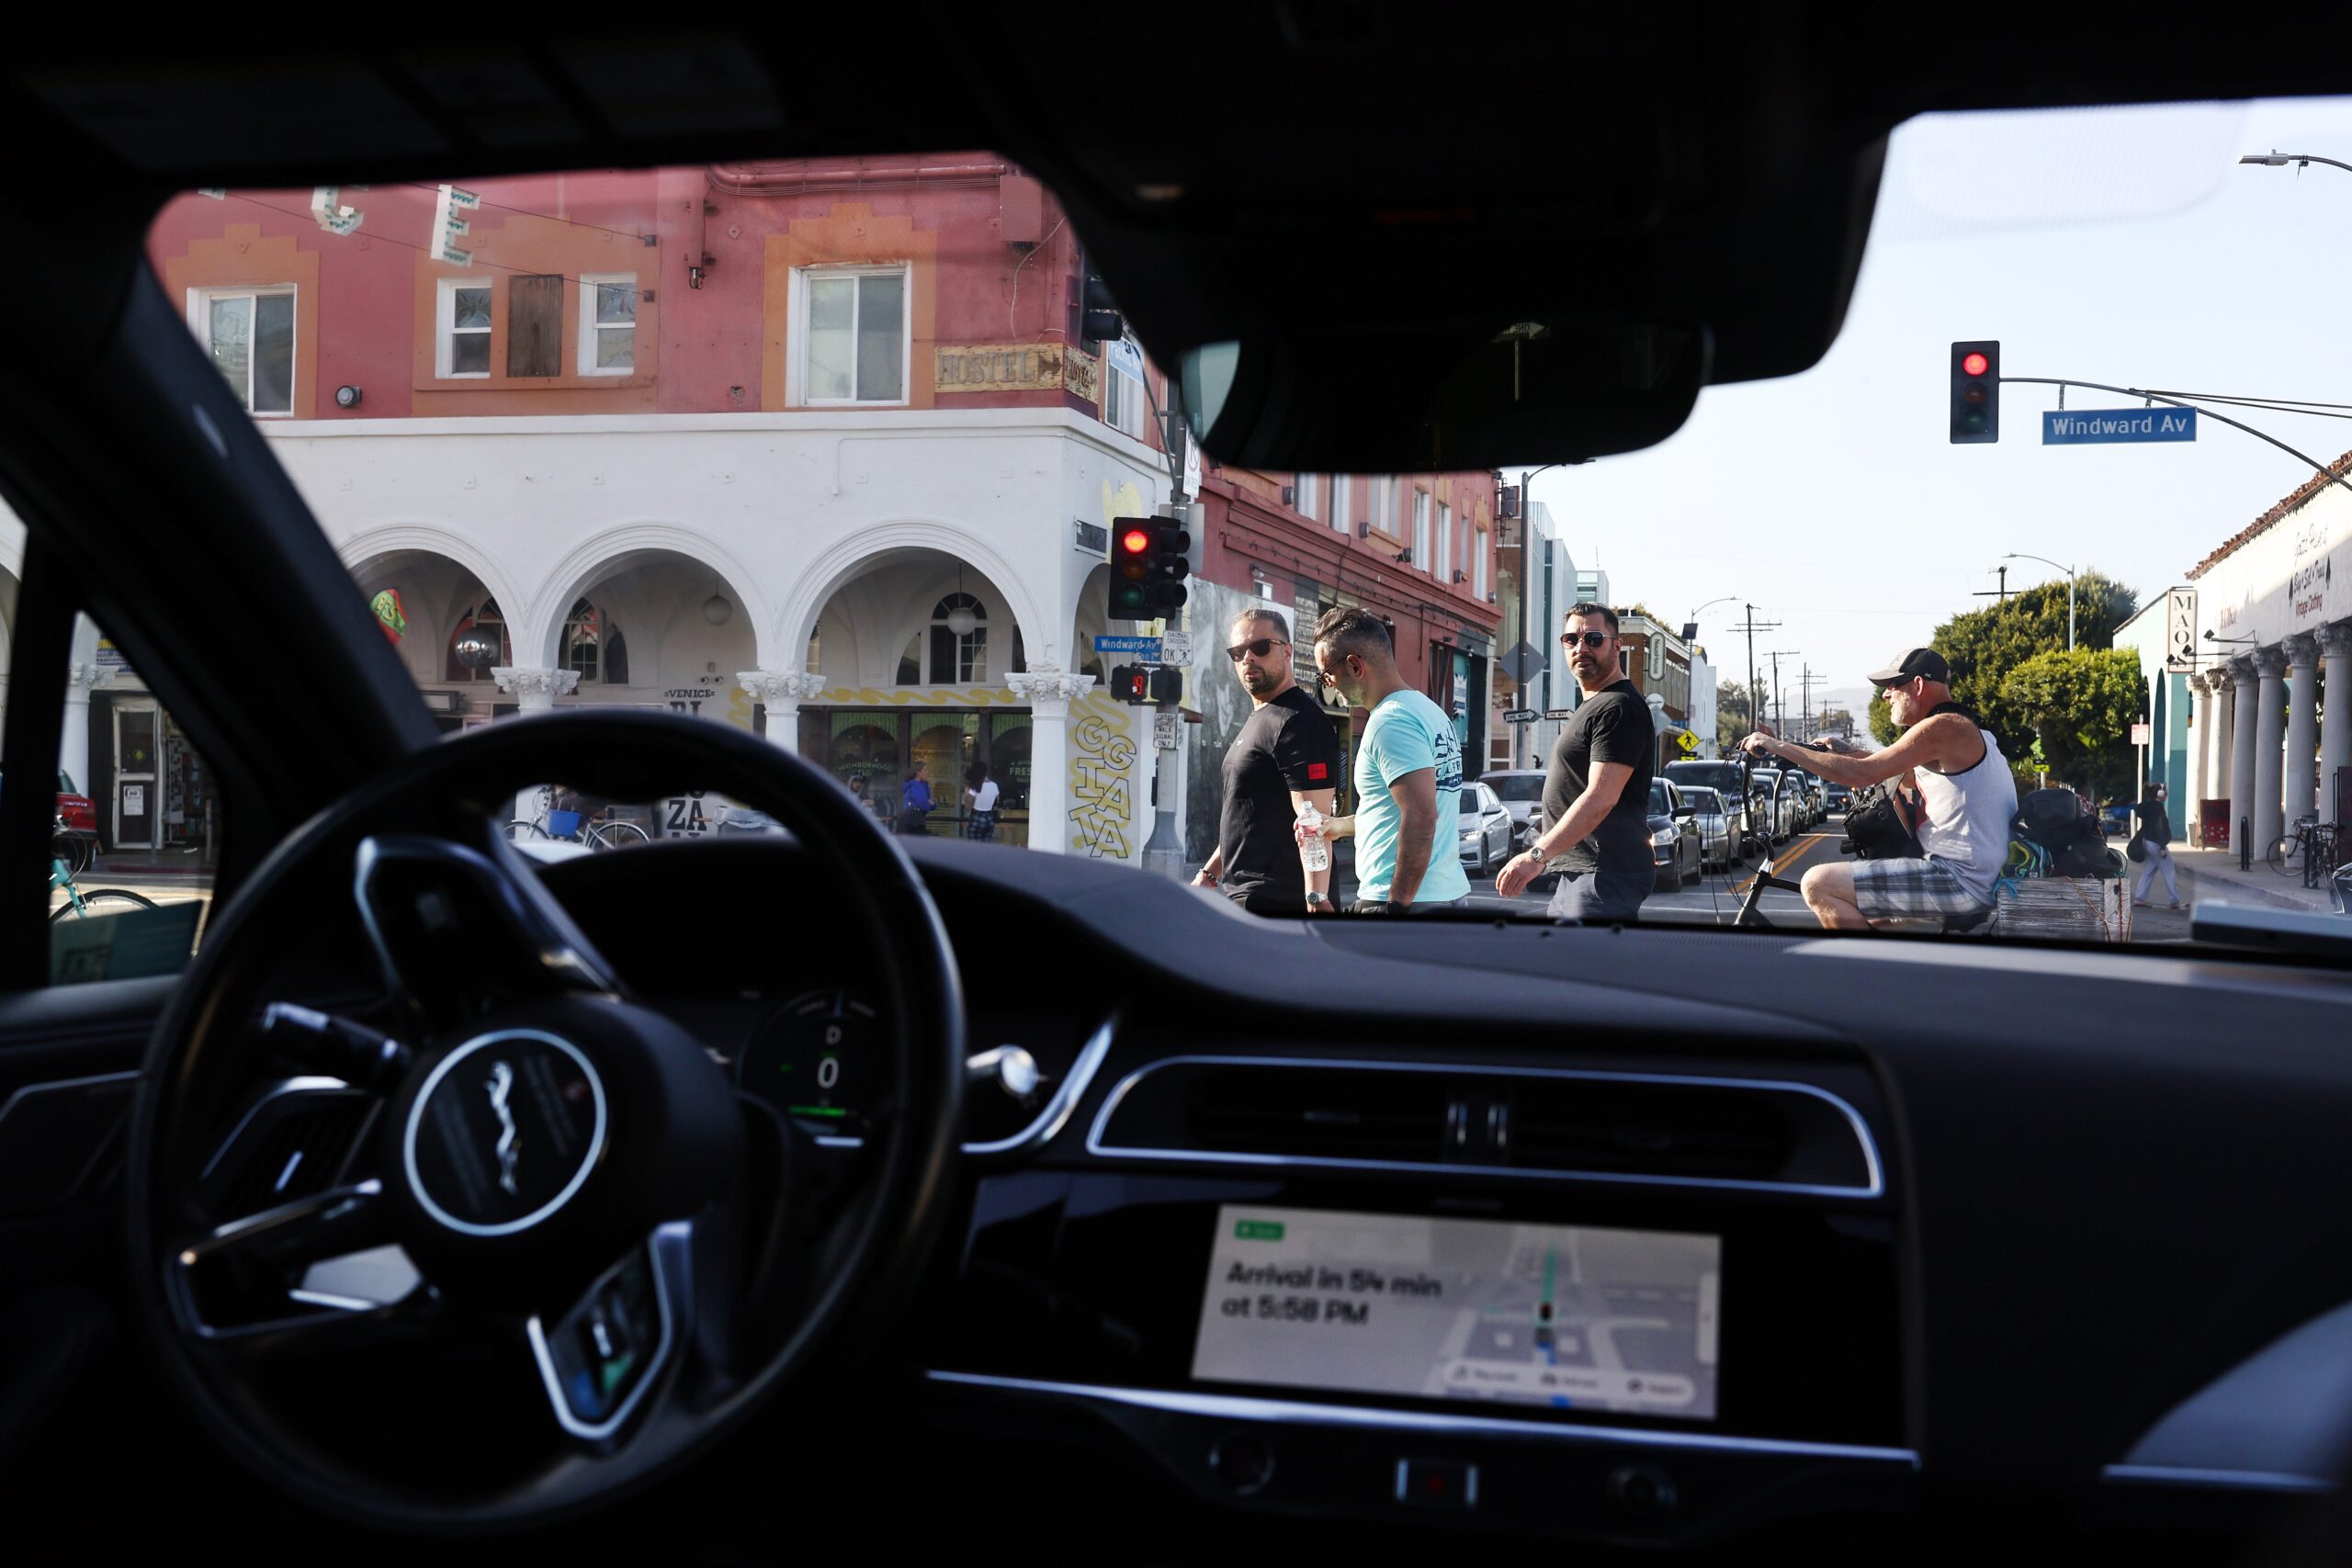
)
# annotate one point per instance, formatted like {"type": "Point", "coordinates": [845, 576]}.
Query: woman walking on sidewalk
{"type": "Point", "coordinates": [2154, 839]}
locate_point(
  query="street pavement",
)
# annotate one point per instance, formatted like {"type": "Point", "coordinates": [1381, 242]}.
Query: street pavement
{"type": "Point", "coordinates": [1714, 899]}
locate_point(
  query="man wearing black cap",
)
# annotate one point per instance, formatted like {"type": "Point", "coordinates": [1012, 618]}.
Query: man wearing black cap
{"type": "Point", "coordinates": [1967, 800]}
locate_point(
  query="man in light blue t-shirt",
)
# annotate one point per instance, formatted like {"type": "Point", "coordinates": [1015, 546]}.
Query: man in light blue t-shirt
{"type": "Point", "coordinates": [1408, 776]}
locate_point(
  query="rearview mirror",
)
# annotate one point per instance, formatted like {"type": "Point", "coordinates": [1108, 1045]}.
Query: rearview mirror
{"type": "Point", "coordinates": [1446, 396]}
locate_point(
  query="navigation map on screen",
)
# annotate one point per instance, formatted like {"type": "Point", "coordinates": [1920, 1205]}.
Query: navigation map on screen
{"type": "Point", "coordinates": [1571, 1317]}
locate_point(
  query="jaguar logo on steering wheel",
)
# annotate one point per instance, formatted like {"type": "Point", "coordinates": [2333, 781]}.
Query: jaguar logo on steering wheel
{"type": "Point", "coordinates": [462, 1147]}
{"type": "Point", "coordinates": [501, 1084]}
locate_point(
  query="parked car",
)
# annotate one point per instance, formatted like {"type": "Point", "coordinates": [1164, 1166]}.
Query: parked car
{"type": "Point", "coordinates": [75, 840]}
{"type": "Point", "coordinates": [1485, 829]}
{"type": "Point", "coordinates": [1714, 829]}
{"type": "Point", "coordinates": [1777, 806]}
{"type": "Point", "coordinates": [1730, 783]}
{"type": "Point", "coordinates": [1521, 791]}
{"type": "Point", "coordinates": [1674, 837]}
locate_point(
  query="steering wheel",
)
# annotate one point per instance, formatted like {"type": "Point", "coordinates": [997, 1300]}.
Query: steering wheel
{"type": "Point", "coordinates": [538, 1248]}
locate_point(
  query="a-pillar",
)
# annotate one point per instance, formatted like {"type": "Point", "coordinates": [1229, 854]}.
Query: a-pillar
{"type": "Point", "coordinates": [2302, 725]}
{"type": "Point", "coordinates": [533, 691]}
{"type": "Point", "coordinates": [2189, 812]}
{"type": "Point", "coordinates": [2270, 746]}
{"type": "Point", "coordinates": [2336, 712]}
{"type": "Point", "coordinates": [2242, 707]}
{"type": "Point", "coordinates": [781, 692]}
{"type": "Point", "coordinates": [1048, 691]}
{"type": "Point", "coordinates": [74, 742]}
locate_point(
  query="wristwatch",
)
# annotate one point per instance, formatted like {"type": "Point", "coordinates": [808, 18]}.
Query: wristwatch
{"type": "Point", "coordinates": [1315, 901]}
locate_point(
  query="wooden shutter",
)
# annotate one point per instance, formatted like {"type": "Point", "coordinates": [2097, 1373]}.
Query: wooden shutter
{"type": "Point", "coordinates": [535, 326]}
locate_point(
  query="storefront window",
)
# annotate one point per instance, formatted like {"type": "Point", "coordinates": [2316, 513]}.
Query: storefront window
{"type": "Point", "coordinates": [1009, 759]}
{"type": "Point", "coordinates": [960, 640]}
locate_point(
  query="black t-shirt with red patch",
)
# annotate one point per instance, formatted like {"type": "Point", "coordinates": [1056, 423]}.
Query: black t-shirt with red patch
{"type": "Point", "coordinates": [1286, 745]}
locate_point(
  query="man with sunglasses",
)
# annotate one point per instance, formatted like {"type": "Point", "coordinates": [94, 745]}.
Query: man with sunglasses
{"type": "Point", "coordinates": [1285, 757]}
{"type": "Point", "coordinates": [1596, 795]}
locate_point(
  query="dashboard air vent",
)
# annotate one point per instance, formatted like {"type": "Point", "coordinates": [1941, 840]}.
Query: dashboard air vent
{"type": "Point", "coordinates": [1303, 1111]}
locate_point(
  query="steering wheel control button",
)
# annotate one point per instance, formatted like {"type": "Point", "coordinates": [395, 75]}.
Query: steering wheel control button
{"type": "Point", "coordinates": [1642, 1493]}
{"type": "Point", "coordinates": [598, 1356]}
{"type": "Point", "coordinates": [503, 1132]}
{"type": "Point", "coordinates": [1447, 1486]}
{"type": "Point", "coordinates": [1241, 1464]}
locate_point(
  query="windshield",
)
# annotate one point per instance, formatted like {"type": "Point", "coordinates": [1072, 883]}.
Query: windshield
{"type": "Point", "coordinates": [843, 454]}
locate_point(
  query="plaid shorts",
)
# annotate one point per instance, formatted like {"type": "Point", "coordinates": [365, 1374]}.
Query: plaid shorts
{"type": "Point", "coordinates": [1885, 889]}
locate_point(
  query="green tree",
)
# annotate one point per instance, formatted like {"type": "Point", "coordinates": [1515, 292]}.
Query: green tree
{"type": "Point", "coordinates": [1984, 646]}
{"type": "Point", "coordinates": [1734, 719]}
{"type": "Point", "coordinates": [2082, 706]}
{"type": "Point", "coordinates": [1881, 720]}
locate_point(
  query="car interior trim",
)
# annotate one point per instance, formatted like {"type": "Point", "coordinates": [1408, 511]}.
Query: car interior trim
{"type": "Point", "coordinates": [58, 1086]}
{"type": "Point", "coordinates": [1057, 1112]}
{"type": "Point", "coordinates": [1233, 1407]}
{"type": "Point", "coordinates": [306, 1084]}
{"type": "Point", "coordinates": [669, 1247]}
{"type": "Point", "coordinates": [1874, 1187]}
{"type": "Point", "coordinates": [2227, 1479]}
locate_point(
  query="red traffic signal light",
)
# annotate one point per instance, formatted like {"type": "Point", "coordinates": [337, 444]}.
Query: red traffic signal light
{"type": "Point", "coordinates": [1148, 562]}
{"type": "Point", "coordinates": [1975, 370]}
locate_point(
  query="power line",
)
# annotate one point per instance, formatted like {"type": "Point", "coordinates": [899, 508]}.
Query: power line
{"type": "Point", "coordinates": [527, 212]}
{"type": "Point", "coordinates": [409, 244]}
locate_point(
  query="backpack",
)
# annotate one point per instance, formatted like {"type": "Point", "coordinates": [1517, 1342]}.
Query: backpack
{"type": "Point", "coordinates": [2054, 820]}
{"type": "Point", "coordinates": [1875, 828]}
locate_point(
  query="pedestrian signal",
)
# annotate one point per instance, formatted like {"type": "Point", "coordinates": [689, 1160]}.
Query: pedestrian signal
{"type": "Point", "coordinates": [1131, 683]}
{"type": "Point", "coordinates": [1975, 392]}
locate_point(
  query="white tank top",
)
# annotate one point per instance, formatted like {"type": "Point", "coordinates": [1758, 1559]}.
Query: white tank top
{"type": "Point", "coordinates": [1964, 818]}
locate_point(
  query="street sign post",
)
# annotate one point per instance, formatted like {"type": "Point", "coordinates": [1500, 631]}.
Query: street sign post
{"type": "Point", "coordinates": [1687, 742]}
{"type": "Point", "coordinates": [2101, 427]}
{"type": "Point", "coordinates": [1523, 715]}
{"type": "Point", "coordinates": [1559, 712]}
{"type": "Point", "coordinates": [2140, 734]}
{"type": "Point", "coordinates": [1143, 646]}
{"type": "Point", "coordinates": [1175, 648]}
{"type": "Point", "coordinates": [1523, 664]}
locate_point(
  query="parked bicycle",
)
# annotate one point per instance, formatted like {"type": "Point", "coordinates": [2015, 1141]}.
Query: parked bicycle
{"type": "Point", "coordinates": [574, 828]}
{"type": "Point", "coordinates": [2306, 852]}
{"type": "Point", "coordinates": [81, 905]}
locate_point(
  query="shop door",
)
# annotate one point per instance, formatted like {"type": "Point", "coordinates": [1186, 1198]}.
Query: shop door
{"type": "Point", "coordinates": [136, 741]}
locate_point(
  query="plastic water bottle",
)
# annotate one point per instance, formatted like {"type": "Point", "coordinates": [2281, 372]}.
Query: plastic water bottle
{"type": "Point", "coordinates": [1316, 854]}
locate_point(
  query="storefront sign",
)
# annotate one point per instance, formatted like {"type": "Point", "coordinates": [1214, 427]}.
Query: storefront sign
{"type": "Point", "coordinates": [447, 227]}
{"type": "Point", "coordinates": [688, 699]}
{"type": "Point", "coordinates": [2180, 631]}
{"type": "Point", "coordinates": [1101, 779]}
{"type": "Point", "coordinates": [998, 368]}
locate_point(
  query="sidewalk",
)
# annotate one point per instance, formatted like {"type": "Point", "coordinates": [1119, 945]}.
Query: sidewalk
{"type": "Point", "coordinates": [2216, 872]}
{"type": "Point", "coordinates": [121, 864]}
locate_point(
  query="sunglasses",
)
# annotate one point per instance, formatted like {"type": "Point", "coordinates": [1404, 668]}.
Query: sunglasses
{"type": "Point", "coordinates": [1591, 639]}
{"type": "Point", "coordinates": [1262, 647]}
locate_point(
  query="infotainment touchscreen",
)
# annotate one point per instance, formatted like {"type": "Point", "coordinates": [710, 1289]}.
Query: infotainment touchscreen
{"type": "Point", "coordinates": [1570, 1318]}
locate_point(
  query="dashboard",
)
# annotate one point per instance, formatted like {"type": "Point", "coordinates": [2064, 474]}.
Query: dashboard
{"type": "Point", "coordinates": [1633, 1236]}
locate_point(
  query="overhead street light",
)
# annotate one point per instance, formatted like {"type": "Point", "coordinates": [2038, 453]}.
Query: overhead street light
{"type": "Point", "coordinates": [2018, 555]}
{"type": "Point", "coordinates": [2278, 160]}
{"type": "Point", "coordinates": [1690, 627]}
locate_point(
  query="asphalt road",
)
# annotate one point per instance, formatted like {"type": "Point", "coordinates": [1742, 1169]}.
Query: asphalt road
{"type": "Point", "coordinates": [1714, 899]}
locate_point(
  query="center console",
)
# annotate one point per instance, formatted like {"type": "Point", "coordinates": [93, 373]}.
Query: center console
{"type": "Point", "coordinates": [1705, 1336]}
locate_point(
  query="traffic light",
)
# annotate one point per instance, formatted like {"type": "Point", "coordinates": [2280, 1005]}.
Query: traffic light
{"type": "Point", "coordinates": [1099, 317]}
{"type": "Point", "coordinates": [1131, 682]}
{"type": "Point", "coordinates": [1167, 685]}
{"type": "Point", "coordinates": [1148, 567]}
{"type": "Point", "coordinates": [1975, 392]}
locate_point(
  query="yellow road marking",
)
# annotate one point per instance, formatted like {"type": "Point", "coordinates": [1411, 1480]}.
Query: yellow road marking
{"type": "Point", "coordinates": [1781, 868]}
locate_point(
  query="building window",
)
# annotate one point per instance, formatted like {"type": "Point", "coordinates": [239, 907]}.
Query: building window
{"type": "Point", "coordinates": [1383, 503]}
{"type": "Point", "coordinates": [1421, 529]}
{"type": "Point", "coordinates": [485, 618]}
{"type": "Point", "coordinates": [463, 348]}
{"type": "Point", "coordinates": [251, 334]}
{"type": "Point", "coordinates": [957, 658]}
{"type": "Point", "coordinates": [853, 342]}
{"type": "Point", "coordinates": [1123, 400]}
{"type": "Point", "coordinates": [609, 325]}
{"type": "Point", "coordinates": [1303, 493]}
{"type": "Point", "coordinates": [1343, 491]}
{"type": "Point", "coordinates": [1444, 543]}
{"type": "Point", "coordinates": [1625, 663]}
{"type": "Point", "coordinates": [594, 648]}
{"type": "Point", "coordinates": [1479, 553]}
{"type": "Point", "coordinates": [535, 325]}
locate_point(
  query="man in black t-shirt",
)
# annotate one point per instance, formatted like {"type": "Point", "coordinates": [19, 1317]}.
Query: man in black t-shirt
{"type": "Point", "coordinates": [1596, 830]}
{"type": "Point", "coordinates": [1285, 757]}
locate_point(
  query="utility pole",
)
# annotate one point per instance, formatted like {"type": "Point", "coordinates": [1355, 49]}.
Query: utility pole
{"type": "Point", "coordinates": [1780, 709]}
{"type": "Point", "coordinates": [1751, 627]}
{"type": "Point", "coordinates": [2002, 592]}
{"type": "Point", "coordinates": [1808, 681]}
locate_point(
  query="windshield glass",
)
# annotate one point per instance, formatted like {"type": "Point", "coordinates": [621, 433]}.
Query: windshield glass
{"type": "Point", "coordinates": [837, 453]}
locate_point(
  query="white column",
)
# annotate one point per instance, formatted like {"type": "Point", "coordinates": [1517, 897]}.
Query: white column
{"type": "Point", "coordinates": [2217, 749]}
{"type": "Point", "coordinates": [2302, 725]}
{"type": "Point", "coordinates": [2201, 736]}
{"type": "Point", "coordinates": [781, 692]}
{"type": "Point", "coordinates": [533, 691]}
{"type": "Point", "coordinates": [2242, 707]}
{"type": "Point", "coordinates": [1048, 691]}
{"type": "Point", "coordinates": [2269, 745]}
{"type": "Point", "coordinates": [2336, 712]}
{"type": "Point", "coordinates": [73, 743]}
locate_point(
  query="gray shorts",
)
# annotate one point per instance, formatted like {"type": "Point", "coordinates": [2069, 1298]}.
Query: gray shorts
{"type": "Point", "coordinates": [1382, 906]}
{"type": "Point", "coordinates": [1601, 894]}
{"type": "Point", "coordinates": [1890, 889]}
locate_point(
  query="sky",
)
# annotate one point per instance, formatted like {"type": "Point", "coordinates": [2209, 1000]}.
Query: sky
{"type": "Point", "coordinates": [2117, 245]}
